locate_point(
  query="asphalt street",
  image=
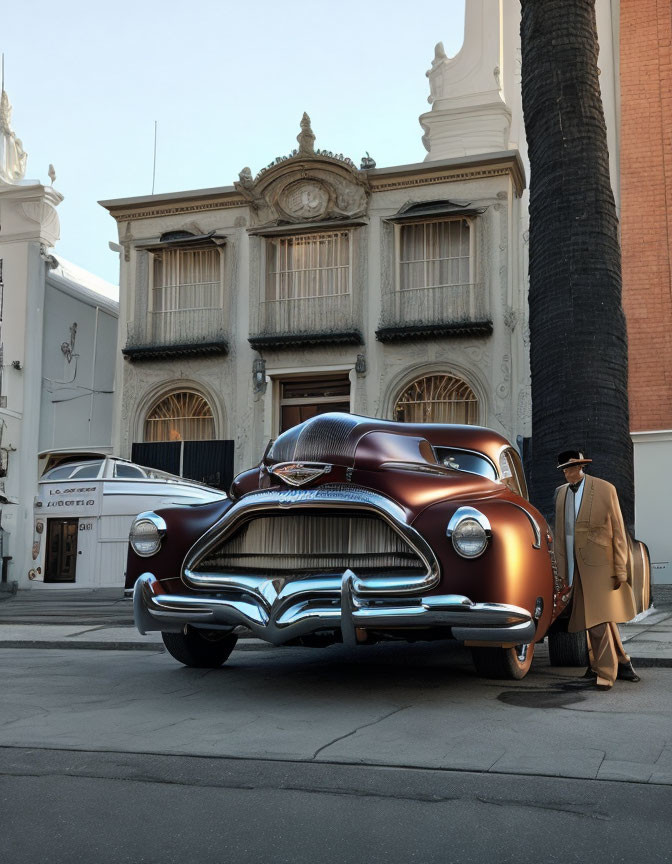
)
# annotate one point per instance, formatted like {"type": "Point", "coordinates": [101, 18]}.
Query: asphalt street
{"type": "Point", "coordinates": [108, 807]}
{"type": "Point", "coordinates": [389, 753]}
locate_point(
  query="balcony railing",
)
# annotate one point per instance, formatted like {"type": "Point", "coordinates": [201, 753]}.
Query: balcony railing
{"type": "Point", "coordinates": [439, 311]}
{"type": "Point", "coordinates": [170, 332]}
{"type": "Point", "coordinates": [304, 320]}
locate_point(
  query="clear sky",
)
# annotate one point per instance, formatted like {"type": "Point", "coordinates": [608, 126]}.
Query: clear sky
{"type": "Point", "coordinates": [227, 82]}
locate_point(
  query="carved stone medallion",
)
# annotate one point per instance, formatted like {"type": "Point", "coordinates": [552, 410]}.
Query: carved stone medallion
{"type": "Point", "coordinates": [304, 200]}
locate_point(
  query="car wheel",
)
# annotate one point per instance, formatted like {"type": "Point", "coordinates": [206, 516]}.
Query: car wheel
{"type": "Point", "coordinates": [204, 649]}
{"type": "Point", "coordinates": [509, 663]}
{"type": "Point", "coordinates": [568, 649]}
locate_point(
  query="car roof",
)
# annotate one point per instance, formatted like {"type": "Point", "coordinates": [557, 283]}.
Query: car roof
{"type": "Point", "coordinates": [338, 434]}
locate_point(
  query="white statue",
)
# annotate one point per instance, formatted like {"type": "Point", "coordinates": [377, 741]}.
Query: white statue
{"type": "Point", "coordinates": [13, 157]}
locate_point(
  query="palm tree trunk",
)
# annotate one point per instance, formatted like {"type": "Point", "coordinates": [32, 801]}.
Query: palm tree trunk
{"type": "Point", "coordinates": [578, 341]}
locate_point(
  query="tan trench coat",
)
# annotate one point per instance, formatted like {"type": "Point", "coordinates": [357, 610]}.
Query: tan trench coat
{"type": "Point", "coordinates": [602, 556]}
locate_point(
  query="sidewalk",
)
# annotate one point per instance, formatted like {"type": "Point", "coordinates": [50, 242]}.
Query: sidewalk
{"type": "Point", "coordinates": [103, 620]}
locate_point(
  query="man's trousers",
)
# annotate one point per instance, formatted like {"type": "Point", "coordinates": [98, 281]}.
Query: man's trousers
{"type": "Point", "coordinates": [606, 651]}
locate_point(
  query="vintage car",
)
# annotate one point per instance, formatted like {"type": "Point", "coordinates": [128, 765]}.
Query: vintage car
{"type": "Point", "coordinates": [358, 530]}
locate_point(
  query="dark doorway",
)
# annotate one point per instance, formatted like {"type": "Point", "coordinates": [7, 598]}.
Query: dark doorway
{"type": "Point", "coordinates": [209, 462]}
{"type": "Point", "coordinates": [61, 564]}
{"type": "Point", "coordinates": [303, 398]}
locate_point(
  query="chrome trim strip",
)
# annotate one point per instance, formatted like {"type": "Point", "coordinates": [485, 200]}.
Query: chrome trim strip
{"type": "Point", "coordinates": [533, 522]}
{"type": "Point", "coordinates": [521, 634]}
{"type": "Point", "coordinates": [318, 469]}
{"type": "Point", "coordinates": [323, 497]}
{"type": "Point", "coordinates": [341, 608]}
{"type": "Point", "coordinates": [467, 513]}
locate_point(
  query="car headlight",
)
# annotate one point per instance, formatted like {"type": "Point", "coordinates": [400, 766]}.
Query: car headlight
{"type": "Point", "coordinates": [469, 531]}
{"type": "Point", "coordinates": [147, 531]}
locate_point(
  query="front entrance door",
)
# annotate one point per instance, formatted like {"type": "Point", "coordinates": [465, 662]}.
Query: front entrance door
{"type": "Point", "coordinates": [61, 563]}
{"type": "Point", "coordinates": [303, 398]}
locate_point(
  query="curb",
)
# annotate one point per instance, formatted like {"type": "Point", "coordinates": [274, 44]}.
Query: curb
{"type": "Point", "coordinates": [89, 646]}
{"type": "Point", "coordinates": [652, 662]}
{"type": "Point", "coordinates": [252, 645]}
{"type": "Point", "coordinates": [158, 647]}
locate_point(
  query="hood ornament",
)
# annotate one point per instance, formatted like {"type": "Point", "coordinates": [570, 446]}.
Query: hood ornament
{"type": "Point", "coordinates": [298, 473]}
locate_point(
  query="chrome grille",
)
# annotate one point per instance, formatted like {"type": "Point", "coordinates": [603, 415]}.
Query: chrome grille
{"type": "Point", "coordinates": [310, 543]}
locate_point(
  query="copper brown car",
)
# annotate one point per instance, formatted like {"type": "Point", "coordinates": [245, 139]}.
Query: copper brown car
{"type": "Point", "coordinates": [358, 530]}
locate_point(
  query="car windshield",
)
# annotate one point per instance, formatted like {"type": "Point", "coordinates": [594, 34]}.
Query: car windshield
{"type": "Point", "coordinates": [463, 460]}
{"type": "Point", "coordinates": [75, 471]}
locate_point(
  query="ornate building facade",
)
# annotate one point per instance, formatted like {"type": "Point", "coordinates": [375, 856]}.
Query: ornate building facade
{"type": "Point", "coordinates": [319, 285]}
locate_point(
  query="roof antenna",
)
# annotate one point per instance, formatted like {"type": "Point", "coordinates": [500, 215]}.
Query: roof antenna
{"type": "Point", "coordinates": [154, 168]}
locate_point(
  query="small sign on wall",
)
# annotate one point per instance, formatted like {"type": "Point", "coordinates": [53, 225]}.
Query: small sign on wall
{"type": "Point", "coordinates": [69, 500]}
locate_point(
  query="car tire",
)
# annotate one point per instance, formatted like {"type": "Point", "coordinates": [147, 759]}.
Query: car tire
{"type": "Point", "coordinates": [568, 649]}
{"type": "Point", "coordinates": [202, 649]}
{"type": "Point", "coordinates": [503, 663]}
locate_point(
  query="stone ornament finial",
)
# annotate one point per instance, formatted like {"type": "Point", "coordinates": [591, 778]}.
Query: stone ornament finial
{"type": "Point", "coordinates": [245, 178]}
{"type": "Point", "coordinates": [306, 137]}
{"type": "Point", "coordinates": [13, 157]}
{"type": "Point", "coordinates": [469, 112]}
{"type": "Point", "coordinates": [439, 55]}
{"type": "Point", "coordinates": [52, 174]}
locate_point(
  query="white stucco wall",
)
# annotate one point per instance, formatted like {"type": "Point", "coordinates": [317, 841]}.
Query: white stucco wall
{"type": "Point", "coordinates": [653, 474]}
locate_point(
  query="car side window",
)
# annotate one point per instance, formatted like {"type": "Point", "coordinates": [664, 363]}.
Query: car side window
{"type": "Point", "coordinates": [507, 470]}
{"type": "Point", "coordinates": [87, 472]}
{"type": "Point", "coordinates": [463, 460]}
{"type": "Point", "coordinates": [520, 473]}
{"type": "Point", "coordinates": [63, 472]}
{"type": "Point", "coordinates": [128, 471]}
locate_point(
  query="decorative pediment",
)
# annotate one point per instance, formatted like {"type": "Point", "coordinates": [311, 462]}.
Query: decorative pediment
{"type": "Point", "coordinates": [309, 185]}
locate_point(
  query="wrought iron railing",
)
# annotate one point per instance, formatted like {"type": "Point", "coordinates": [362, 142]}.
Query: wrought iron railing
{"type": "Point", "coordinates": [177, 327]}
{"type": "Point", "coordinates": [441, 305]}
{"type": "Point", "coordinates": [298, 316]}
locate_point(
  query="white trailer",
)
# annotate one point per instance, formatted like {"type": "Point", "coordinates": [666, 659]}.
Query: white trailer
{"type": "Point", "coordinates": [83, 513]}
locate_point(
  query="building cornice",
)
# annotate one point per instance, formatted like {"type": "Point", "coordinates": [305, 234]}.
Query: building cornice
{"type": "Point", "coordinates": [658, 436]}
{"type": "Point", "coordinates": [450, 171]}
{"type": "Point", "coordinates": [463, 168]}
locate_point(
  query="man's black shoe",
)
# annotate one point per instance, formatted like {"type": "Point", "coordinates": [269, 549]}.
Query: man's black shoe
{"type": "Point", "coordinates": [590, 674]}
{"type": "Point", "coordinates": [627, 673]}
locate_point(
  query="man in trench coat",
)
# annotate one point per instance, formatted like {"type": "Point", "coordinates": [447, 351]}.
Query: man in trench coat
{"type": "Point", "coordinates": [592, 551]}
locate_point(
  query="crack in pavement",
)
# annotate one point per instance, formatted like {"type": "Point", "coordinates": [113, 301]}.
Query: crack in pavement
{"type": "Point", "coordinates": [604, 756]}
{"type": "Point", "coordinates": [564, 807]}
{"type": "Point", "coordinates": [275, 760]}
{"type": "Point", "coordinates": [357, 729]}
{"type": "Point", "coordinates": [281, 787]}
{"type": "Point", "coordinates": [560, 807]}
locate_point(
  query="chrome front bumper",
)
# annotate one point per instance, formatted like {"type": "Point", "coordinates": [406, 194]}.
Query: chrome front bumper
{"type": "Point", "coordinates": [278, 612]}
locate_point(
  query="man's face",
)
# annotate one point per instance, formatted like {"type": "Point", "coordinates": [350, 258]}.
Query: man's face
{"type": "Point", "coordinates": [573, 473]}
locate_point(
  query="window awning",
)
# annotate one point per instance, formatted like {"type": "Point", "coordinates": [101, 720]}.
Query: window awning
{"type": "Point", "coordinates": [287, 228]}
{"type": "Point", "coordinates": [184, 239]}
{"type": "Point", "coordinates": [424, 210]}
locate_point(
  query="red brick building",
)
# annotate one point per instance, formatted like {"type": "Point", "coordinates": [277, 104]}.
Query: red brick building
{"type": "Point", "coordinates": [646, 237]}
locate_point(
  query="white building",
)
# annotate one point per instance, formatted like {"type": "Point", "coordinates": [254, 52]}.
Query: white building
{"type": "Point", "coordinates": [317, 285]}
{"type": "Point", "coordinates": [58, 338]}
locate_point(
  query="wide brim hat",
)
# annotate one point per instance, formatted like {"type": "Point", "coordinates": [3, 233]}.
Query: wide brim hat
{"type": "Point", "coordinates": [571, 457]}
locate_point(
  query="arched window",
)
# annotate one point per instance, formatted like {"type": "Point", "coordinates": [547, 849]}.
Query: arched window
{"type": "Point", "coordinates": [437, 399]}
{"type": "Point", "coordinates": [181, 416]}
